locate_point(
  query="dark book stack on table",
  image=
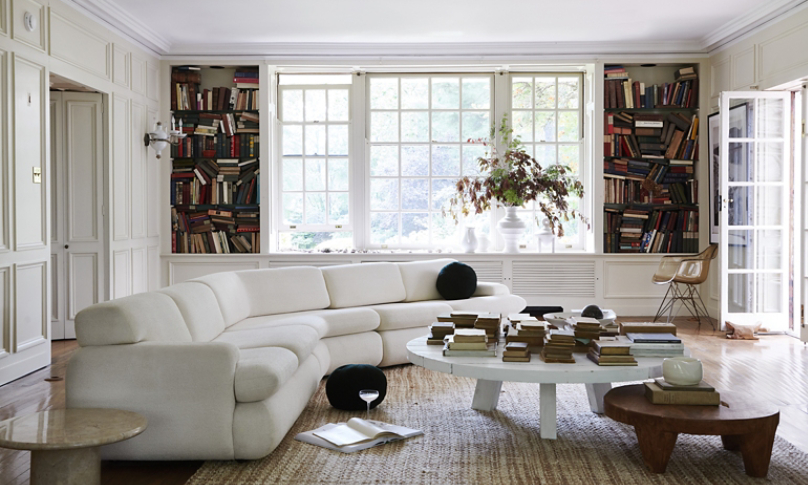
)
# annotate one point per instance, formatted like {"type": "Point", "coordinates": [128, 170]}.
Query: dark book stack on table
{"type": "Point", "coordinates": [490, 323]}
{"type": "Point", "coordinates": [460, 319]}
{"type": "Point", "coordinates": [215, 180]}
{"type": "Point", "coordinates": [611, 353]}
{"type": "Point", "coordinates": [529, 331]}
{"type": "Point", "coordinates": [651, 141]}
{"type": "Point", "coordinates": [646, 327]}
{"type": "Point", "coordinates": [516, 352]}
{"type": "Point", "coordinates": [469, 342]}
{"type": "Point", "coordinates": [702, 394]}
{"type": "Point", "coordinates": [438, 332]}
{"type": "Point", "coordinates": [558, 348]}
{"type": "Point", "coordinates": [655, 345]}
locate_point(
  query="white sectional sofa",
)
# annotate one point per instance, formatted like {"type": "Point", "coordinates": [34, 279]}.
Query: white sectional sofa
{"type": "Point", "coordinates": [223, 365]}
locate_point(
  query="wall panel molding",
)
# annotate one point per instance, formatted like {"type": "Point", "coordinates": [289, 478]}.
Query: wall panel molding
{"type": "Point", "coordinates": [140, 275]}
{"type": "Point", "coordinates": [5, 313]}
{"type": "Point", "coordinates": [138, 172]}
{"type": "Point", "coordinates": [631, 279]}
{"type": "Point", "coordinates": [82, 271]}
{"type": "Point", "coordinates": [76, 46]}
{"type": "Point", "coordinates": [121, 62]}
{"type": "Point", "coordinates": [4, 151]}
{"type": "Point", "coordinates": [778, 54]}
{"type": "Point", "coordinates": [30, 151]}
{"type": "Point", "coordinates": [120, 186]}
{"type": "Point", "coordinates": [35, 39]}
{"type": "Point", "coordinates": [31, 319]}
{"type": "Point", "coordinates": [139, 75]}
{"type": "Point", "coordinates": [3, 17]}
{"type": "Point", "coordinates": [152, 82]}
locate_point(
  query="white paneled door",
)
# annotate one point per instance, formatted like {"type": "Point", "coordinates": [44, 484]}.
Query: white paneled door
{"type": "Point", "coordinates": [77, 207]}
{"type": "Point", "coordinates": [756, 237]}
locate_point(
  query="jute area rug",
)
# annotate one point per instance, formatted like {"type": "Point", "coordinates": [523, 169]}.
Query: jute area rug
{"type": "Point", "coordinates": [464, 446]}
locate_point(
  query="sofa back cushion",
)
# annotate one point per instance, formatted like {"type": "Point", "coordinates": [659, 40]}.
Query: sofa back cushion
{"type": "Point", "coordinates": [149, 316]}
{"type": "Point", "coordinates": [364, 284]}
{"type": "Point", "coordinates": [420, 276]}
{"type": "Point", "coordinates": [231, 295]}
{"type": "Point", "coordinates": [284, 290]}
{"type": "Point", "coordinates": [199, 308]}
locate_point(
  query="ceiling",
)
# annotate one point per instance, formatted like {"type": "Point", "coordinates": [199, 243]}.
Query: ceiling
{"type": "Point", "coordinates": [328, 27]}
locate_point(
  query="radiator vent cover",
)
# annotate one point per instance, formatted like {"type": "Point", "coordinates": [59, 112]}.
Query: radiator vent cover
{"type": "Point", "coordinates": [562, 278]}
{"type": "Point", "coordinates": [490, 271]}
{"type": "Point", "coordinates": [287, 264]}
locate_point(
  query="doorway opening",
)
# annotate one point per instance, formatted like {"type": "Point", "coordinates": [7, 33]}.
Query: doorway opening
{"type": "Point", "coordinates": [77, 204]}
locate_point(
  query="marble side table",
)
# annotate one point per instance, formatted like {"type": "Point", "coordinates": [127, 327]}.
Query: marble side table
{"type": "Point", "coordinates": [64, 442]}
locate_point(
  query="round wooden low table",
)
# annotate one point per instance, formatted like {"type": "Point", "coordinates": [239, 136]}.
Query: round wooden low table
{"type": "Point", "coordinates": [743, 424]}
{"type": "Point", "coordinates": [64, 443]}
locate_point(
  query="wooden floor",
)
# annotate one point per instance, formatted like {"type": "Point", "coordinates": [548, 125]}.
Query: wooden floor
{"type": "Point", "coordinates": [774, 368]}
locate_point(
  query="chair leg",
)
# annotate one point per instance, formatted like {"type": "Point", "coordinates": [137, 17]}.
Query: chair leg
{"type": "Point", "coordinates": [663, 307]}
{"type": "Point", "coordinates": [677, 295]}
{"type": "Point", "coordinates": [706, 314]}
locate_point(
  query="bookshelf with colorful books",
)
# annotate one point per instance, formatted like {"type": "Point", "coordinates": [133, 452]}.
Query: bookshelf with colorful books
{"type": "Point", "coordinates": [215, 183]}
{"type": "Point", "coordinates": [650, 154]}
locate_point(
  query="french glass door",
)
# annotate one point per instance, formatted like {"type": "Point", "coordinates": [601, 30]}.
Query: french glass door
{"type": "Point", "coordinates": [755, 162]}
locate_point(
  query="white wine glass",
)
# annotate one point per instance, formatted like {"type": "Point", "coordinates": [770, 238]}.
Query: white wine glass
{"type": "Point", "coordinates": [368, 395]}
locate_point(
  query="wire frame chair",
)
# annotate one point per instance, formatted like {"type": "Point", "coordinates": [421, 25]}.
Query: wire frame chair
{"type": "Point", "coordinates": [689, 272]}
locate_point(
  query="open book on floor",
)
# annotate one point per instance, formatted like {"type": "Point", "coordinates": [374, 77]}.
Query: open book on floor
{"type": "Point", "coordinates": [357, 434]}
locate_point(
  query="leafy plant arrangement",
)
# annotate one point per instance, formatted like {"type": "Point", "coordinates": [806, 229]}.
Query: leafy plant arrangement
{"type": "Point", "coordinates": [515, 178]}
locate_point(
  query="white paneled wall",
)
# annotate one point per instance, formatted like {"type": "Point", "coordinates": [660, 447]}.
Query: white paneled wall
{"type": "Point", "coordinates": [69, 44]}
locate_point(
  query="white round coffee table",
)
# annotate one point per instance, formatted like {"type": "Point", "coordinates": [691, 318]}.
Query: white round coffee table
{"type": "Point", "coordinates": [490, 372]}
{"type": "Point", "coordinates": [64, 442]}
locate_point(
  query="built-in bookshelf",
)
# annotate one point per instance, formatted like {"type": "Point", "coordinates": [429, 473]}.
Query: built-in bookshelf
{"type": "Point", "coordinates": [650, 153]}
{"type": "Point", "coordinates": [215, 183]}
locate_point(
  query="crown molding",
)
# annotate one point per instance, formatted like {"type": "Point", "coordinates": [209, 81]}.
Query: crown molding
{"type": "Point", "coordinates": [460, 50]}
{"type": "Point", "coordinates": [742, 25]}
{"type": "Point", "coordinates": [110, 14]}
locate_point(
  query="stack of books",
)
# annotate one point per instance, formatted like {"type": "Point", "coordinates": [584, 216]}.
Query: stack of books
{"type": "Point", "coordinates": [516, 352]}
{"type": "Point", "coordinates": [459, 318]}
{"type": "Point", "coordinates": [646, 327]}
{"type": "Point", "coordinates": [611, 353]}
{"type": "Point", "coordinates": [530, 332]}
{"type": "Point", "coordinates": [558, 348]}
{"type": "Point", "coordinates": [469, 342]}
{"type": "Point", "coordinates": [587, 328]}
{"type": "Point", "coordinates": [702, 394]}
{"type": "Point", "coordinates": [655, 345]}
{"type": "Point", "coordinates": [438, 332]}
{"type": "Point", "coordinates": [515, 318]}
{"type": "Point", "coordinates": [490, 323]}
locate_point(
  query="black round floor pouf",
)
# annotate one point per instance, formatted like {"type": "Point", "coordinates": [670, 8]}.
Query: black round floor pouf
{"type": "Point", "coordinates": [343, 386]}
{"type": "Point", "coordinates": [457, 281]}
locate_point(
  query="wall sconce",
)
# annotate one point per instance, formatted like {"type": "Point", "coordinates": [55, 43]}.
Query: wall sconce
{"type": "Point", "coordinates": [29, 21]}
{"type": "Point", "coordinates": [159, 138]}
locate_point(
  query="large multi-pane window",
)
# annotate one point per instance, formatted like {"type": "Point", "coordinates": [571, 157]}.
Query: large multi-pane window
{"type": "Point", "coordinates": [314, 172]}
{"type": "Point", "coordinates": [419, 129]}
{"type": "Point", "coordinates": [547, 117]}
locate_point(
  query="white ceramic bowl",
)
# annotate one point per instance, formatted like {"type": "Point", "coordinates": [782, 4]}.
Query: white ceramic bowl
{"type": "Point", "coordinates": [682, 371]}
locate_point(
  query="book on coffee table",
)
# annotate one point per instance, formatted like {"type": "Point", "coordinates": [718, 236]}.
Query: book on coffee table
{"type": "Point", "coordinates": [656, 395]}
{"type": "Point", "coordinates": [355, 435]}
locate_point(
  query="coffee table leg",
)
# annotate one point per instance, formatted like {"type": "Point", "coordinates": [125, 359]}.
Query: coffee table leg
{"type": "Point", "coordinates": [81, 466]}
{"type": "Point", "coordinates": [756, 448]}
{"type": "Point", "coordinates": [486, 395]}
{"type": "Point", "coordinates": [547, 411]}
{"type": "Point", "coordinates": [595, 393]}
{"type": "Point", "coordinates": [656, 447]}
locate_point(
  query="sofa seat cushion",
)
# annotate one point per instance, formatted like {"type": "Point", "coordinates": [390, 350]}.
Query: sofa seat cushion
{"type": "Point", "coordinates": [261, 372]}
{"type": "Point", "coordinates": [328, 323]}
{"type": "Point", "coordinates": [420, 278]}
{"type": "Point", "coordinates": [503, 304]}
{"type": "Point", "coordinates": [300, 339]}
{"type": "Point", "coordinates": [408, 315]}
{"type": "Point", "coordinates": [363, 284]}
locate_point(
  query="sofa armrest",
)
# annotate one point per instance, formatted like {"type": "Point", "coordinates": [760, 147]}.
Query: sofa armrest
{"type": "Point", "coordinates": [185, 390]}
{"type": "Point", "coordinates": [484, 288]}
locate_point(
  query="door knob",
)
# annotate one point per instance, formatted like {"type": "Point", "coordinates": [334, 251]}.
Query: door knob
{"type": "Point", "coordinates": [66, 246]}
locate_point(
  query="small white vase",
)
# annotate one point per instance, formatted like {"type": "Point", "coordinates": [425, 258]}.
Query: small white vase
{"type": "Point", "coordinates": [482, 244]}
{"type": "Point", "coordinates": [469, 241]}
{"type": "Point", "coordinates": [682, 371]}
{"type": "Point", "coordinates": [511, 228]}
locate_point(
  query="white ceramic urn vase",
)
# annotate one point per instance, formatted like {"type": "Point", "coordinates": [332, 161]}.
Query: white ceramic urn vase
{"type": "Point", "coordinates": [511, 228]}
{"type": "Point", "coordinates": [469, 240]}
